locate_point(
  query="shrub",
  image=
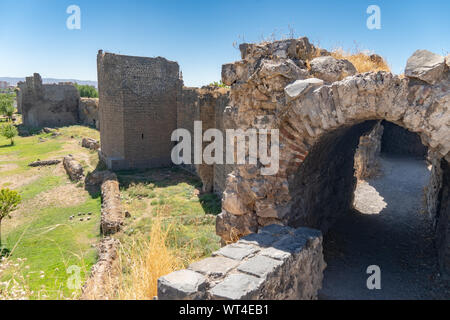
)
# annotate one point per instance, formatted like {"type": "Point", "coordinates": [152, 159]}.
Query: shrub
{"type": "Point", "coordinates": [87, 91]}
{"type": "Point", "coordinates": [9, 131]}
{"type": "Point", "coordinates": [9, 200]}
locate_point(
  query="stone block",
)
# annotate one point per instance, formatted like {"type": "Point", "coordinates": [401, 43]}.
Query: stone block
{"type": "Point", "coordinates": [236, 287]}
{"type": "Point", "coordinates": [182, 285]}
{"type": "Point", "coordinates": [260, 266]}
{"type": "Point", "coordinates": [214, 267]}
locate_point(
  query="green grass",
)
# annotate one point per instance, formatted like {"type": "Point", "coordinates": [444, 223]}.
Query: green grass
{"type": "Point", "coordinates": [40, 232]}
{"type": "Point", "coordinates": [174, 195]}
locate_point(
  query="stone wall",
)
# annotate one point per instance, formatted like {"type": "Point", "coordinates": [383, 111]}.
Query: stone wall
{"type": "Point", "coordinates": [138, 110]}
{"type": "Point", "coordinates": [48, 105]}
{"type": "Point", "coordinates": [207, 105]}
{"type": "Point", "coordinates": [399, 141]}
{"type": "Point", "coordinates": [88, 112]}
{"type": "Point", "coordinates": [278, 263]}
{"type": "Point", "coordinates": [272, 87]}
{"type": "Point", "coordinates": [368, 152]}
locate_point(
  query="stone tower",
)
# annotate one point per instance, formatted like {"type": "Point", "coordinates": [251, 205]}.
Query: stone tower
{"type": "Point", "coordinates": [138, 110]}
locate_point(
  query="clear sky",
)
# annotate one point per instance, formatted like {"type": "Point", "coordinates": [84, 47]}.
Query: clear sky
{"type": "Point", "coordinates": [200, 34]}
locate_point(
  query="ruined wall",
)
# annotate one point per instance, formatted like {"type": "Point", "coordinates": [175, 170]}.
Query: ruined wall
{"type": "Point", "coordinates": [19, 95]}
{"type": "Point", "coordinates": [48, 105]}
{"type": "Point", "coordinates": [138, 110]}
{"type": "Point", "coordinates": [399, 141]}
{"type": "Point", "coordinates": [368, 152]}
{"type": "Point", "coordinates": [207, 105]}
{"type": "Point", "coordinates": [272, 87]}
{"type": "Point", "coordinates": [88, 112]}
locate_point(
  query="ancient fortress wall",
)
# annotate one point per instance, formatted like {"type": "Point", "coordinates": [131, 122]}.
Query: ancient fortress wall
{"type": "Point", "coordinates": [320, 113]}
{"type": "Point", "coordinates": [54, 105]}
{"type": "Point", "coordinates": [138, 110]}
{"type": "Point", "coordinates": [48, 105]}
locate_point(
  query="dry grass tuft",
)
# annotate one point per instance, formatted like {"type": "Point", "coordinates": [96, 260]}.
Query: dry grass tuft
{"type": "Point", "coordinates": [362, 61]}
{"type": "Point", "coordinates": [142, 262]}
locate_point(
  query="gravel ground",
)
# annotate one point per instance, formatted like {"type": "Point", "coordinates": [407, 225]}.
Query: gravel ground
{"type": "Point", "coordinates": [390, 230]}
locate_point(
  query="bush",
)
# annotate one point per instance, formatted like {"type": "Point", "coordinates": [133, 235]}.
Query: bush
{"type": "Point", "coordinates": [9, 131]}
{"type": "Point", "coordinates": [7, 105]}
{"type": "Point", "coordinates": [87, 91]}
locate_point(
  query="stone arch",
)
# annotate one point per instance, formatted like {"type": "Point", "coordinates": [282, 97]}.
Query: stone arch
{"type": "Point", "coordinates": [269, 89]}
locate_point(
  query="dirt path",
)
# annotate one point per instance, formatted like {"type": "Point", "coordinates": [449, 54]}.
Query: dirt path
{"type": "Point", "coordinates": [390, 231]}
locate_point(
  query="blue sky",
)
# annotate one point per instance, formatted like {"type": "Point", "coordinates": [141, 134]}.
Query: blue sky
{"type": "Point", "coordinates": [200, 34]}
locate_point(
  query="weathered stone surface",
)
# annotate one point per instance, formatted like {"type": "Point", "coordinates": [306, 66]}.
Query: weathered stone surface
{"type": "Point", "coordinates": [137, 110]}
{"type": "Point", "coordinates": [182, 285]}
{"type": "Point", "coordinates": [368, 152]}
{"type": "Point", "coordinates": [214, 267]}
{"type": "Point", "coordinates": [112, 214]}
{"type": "Point", "coordinates": [48, 105]}
{"type": "Point", "coordinates": [101, 282]}
{"type": "Point", "coordinates": [90, 144]}
{"type": "Point", "coordinates": [236, 251]}
{"type": "Point", "coordinates": [260, 266]}
{"type": "Point", "coordinates": [330, 69]}
{"type": "Point", "coordinates": [237, 287]}
{"type": "Point", "coordinates": [320, 130]}
{"type": "Point", "coordinates": [43, 163]}
{"type": "Point", "coordinates": [88, 112]}
{"type": "Point", "coordinates": [270, 272]}
{"type": "Point", "coordinates": [299, 87]}
{"type": "Point", "coordinates": [426, 66]}
{"type": "Point", "coordinates": [96, 178]}
{"type": "Point", "coordinates": [73, 168]}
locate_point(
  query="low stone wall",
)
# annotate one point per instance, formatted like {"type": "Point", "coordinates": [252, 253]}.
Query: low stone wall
{"type": "Point", "coordinates": [111, 212]}
{"type": "Point", "coordinates": [368, 152]}
{"type": "Point", "coordinates": [101, 280]}
{"type": "Point", "coordinates": [73, 168]}
{"type": "Point", "coordinates": [276, 263]}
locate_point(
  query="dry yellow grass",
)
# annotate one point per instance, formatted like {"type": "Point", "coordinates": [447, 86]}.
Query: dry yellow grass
{"type": "Point", "coordinates": [142, 262]}
{"type": "Point", "coordinates": [363, 62]}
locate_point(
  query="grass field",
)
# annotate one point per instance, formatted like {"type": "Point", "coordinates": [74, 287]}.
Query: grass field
{"type": "Point", "coordinates": [40, 230]}
{"type": "Point", "coordinates": [44, 243]}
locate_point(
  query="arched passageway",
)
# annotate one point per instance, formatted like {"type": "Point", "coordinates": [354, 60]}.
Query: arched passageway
{"type": "Point", "coordinates": [379, 219]}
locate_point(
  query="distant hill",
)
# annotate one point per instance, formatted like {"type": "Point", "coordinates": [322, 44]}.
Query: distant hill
{"type": "Point", "coordinates": [13, 81]}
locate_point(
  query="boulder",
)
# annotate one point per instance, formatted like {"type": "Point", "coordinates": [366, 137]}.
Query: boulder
{"type": "Point", "coordinates": [73, 168]}
{"type": "Point", "coordinates": [90, 144]}
{"type": "Point", "coordinates": [426, 66]}
{"type": "Point", "coordinates": [330, 69]}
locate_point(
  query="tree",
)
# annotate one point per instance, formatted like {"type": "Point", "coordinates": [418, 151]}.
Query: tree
{"type": "Point", "coordinates": [9, 200]}
{"type": "Point", "coordinates": [7, 105]}
{"type": "Point", "coordinates": [9, 131]}
{"type": "Point", "coordinates": [87, 91]}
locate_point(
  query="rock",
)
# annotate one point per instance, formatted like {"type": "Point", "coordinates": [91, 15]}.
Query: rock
{"type": "Point", "coordinates": [44, 163]}
{"type": "Point", "coordinates": [96, 178]}
{"type": "Point", "coordinates": [237, 287]}
{"type": "Point", "coordinates": [90, 144]}
{"type": "Point", "coordinates": [447, 61]}
{"type": "Point", "coordinates": [231, 227]}
{"type": "Point", "coordinates": [229, 75]}
{"type": "Point", "coordinates": [233, 204]}
{"type": "Point", "coordinates": [47, 130]}
{"type": "Point", "coordinates": [260, 266]}
{"type": "Point", "coordinates": [236, 251]}
{"type": "Point", "coordinates": [111, 220]}
{"type": "Point", "coordinates": [182, 285]}
{"type": "Point", "coordinates": [426, 66]}
{"type": "Point", "coordinates": [330, 69]}
{"type": "Point", "coordinates": [127, 214]}
{"type": "Point", "coordinates": [300, 87]}
{"type": "Point", "coordinates": [214, 267]}
{"type": "Point", "coordinates": [73, 168]}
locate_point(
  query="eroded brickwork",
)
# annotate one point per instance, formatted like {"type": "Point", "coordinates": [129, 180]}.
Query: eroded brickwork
{"type": "Point", "coordinates": [47, 105]}
{"type": "Point", "coordinates": [138, 110]}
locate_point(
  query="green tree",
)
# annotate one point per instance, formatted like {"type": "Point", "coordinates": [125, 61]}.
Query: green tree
{"type": "Point", "coordinates": [9, 131]}
{"type": "Point", "coordinates": [7, 105]}
{"type": "Point", "coordinates": [87, 91]}
{"type": "Point", "coordinates": [9, 200]}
